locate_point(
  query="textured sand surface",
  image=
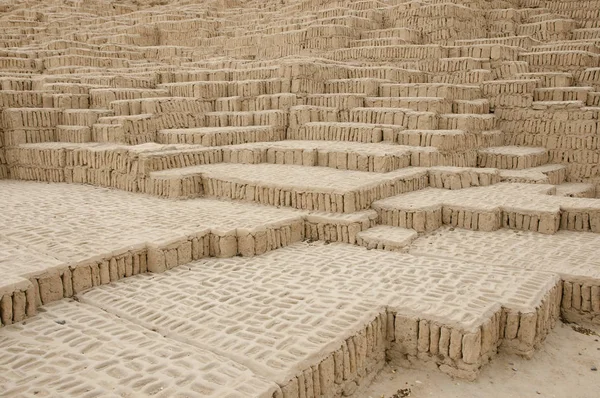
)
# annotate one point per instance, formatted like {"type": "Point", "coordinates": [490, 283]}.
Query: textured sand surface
{"type": "Point", "coordinates": [73, 349]}
{"type": "Point", "coordinates": [566, 252]}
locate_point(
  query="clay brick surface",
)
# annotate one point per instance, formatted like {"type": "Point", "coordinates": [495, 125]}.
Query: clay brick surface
{"type": "Point", "coordinates": [171, 138]}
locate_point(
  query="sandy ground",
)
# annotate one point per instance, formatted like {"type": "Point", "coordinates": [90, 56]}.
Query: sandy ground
{"type": "Point", "coordinates": [562, 368]}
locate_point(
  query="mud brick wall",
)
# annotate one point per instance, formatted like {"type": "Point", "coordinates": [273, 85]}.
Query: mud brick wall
{"type": "Point", "coordinates": [354, 363]}
{"type": "Point", "coordinates": [19, 304]}
{"type": "Point", "coordinates": [510, 93]}
{"type": "Point", "coordinates": [30, 125]}
{"type": "Point", "coordinates": [131, 130]}
{"type": "Point", "coordinates": [439, 22]}
{"type": "Point", "coordinates": [167, 113]}
{"type": "Point", "coordinates": [102, 97]}
{"type": "Point", "coordinates": [25, 126]}
{"type": "Point", "coordinates": [570, 135]}
{"type": "Point", "coordinates": [461, 353]}
{"type": "Point", "coordinates": [108, 166]}
{"type": "Point", "coordinates": [3, 159]}
{"type": "Point", "coordinates": [67, 281]}
{"type": "Point", "coordinates": [4, 173]}
{"type": "Point", "coordinates": [580, 300]}
{"type": "Point", "coordinates": [569, 61]}
{"type": "Point", "coordinates": [339, 230]}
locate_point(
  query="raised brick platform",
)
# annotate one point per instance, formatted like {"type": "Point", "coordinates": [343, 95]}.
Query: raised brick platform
{"type": "Point", "coordinates": [197, 175]}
